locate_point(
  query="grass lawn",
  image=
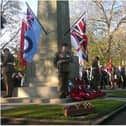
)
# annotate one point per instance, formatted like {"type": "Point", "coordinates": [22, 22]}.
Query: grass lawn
{"type": "Point", "coordinates": [102, 107]}
{"type": "Point", "coordinates": [114, 93]}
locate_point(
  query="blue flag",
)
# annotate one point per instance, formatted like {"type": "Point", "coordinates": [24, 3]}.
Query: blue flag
{"type": "Point", "coordinates": [32, 36]}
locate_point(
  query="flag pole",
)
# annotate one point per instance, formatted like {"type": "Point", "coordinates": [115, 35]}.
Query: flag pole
{"type": "Point", "coordinates": [37, 19]}
{"type": "Point", "coordinates": [74, 24]}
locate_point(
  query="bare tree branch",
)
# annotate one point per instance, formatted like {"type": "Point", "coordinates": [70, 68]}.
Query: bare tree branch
{"type": "Point", "coordinates": [5, 4]}
{"type": "Point", "coordinates": [101, 7]}
{"type": "Point", "coordinates": [11, 39]}
{"type": "Point", "coordinates": [111, 11]}
{"type": "Point", "coordinates": [98, 20]}
{"type": "Point", "coordinates": [107, 18]}
{"type": "Point", "coordinates": [122, 20]}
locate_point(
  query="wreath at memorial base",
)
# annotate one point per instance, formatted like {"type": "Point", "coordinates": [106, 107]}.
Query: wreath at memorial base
{"type": "Point", "coordinates": [78, 109]}
{"type": "Point", "coordinates": [79, 92]}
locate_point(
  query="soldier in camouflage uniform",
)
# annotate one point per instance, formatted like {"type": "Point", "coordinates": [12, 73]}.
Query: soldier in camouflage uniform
{"type": "Point", "coordinates": [61, 61]}
{"type": "Point", "coordinates": [8, 70]}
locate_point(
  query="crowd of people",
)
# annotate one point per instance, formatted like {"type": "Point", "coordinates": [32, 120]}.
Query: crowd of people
{"type": "Point", "coordinates": [96, 77]}
{"type": "Point", "coordinates": [102, 77]}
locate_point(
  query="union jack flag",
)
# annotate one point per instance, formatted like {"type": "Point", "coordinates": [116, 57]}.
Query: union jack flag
{"type": "Point", "coordinates": [80, 26]}
{"type": "Point", "coordinates": [80, 38]}
{"type": "Point", "coordinates": [78, 32]}
{"type": "Point", "coordinates": [30, 17]}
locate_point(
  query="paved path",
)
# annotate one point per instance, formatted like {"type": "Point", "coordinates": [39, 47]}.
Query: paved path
{"type": "Point", "coordinates": [118, 119]}
{"type": "Point", "coordinates": [115, 98]}
{"type": "Point", "coordinates": [115, 89]}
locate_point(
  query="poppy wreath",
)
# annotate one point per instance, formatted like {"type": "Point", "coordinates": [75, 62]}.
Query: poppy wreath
{"type": "Point", "coordinates": [77, 94]}
{"type": "Point", "coordinates": [81, 92]}
{"type": "Point", "coordinates": [78, 109]}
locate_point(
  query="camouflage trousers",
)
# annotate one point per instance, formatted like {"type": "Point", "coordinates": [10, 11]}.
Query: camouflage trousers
{"type": "Point", "coordinates": [9, 84]}
{"type": "Point", "coordinates": [63, 84]}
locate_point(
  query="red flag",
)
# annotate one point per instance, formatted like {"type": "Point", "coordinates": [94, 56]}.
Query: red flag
{"type": "Point", "coordinates": [109, 67]}
{"type": "Point", "coordinates": [23, 30]}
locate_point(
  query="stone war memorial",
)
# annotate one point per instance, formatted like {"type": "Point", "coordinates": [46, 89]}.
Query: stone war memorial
{"type": "Point", "coordinates": [74, 73]}
{"type": "Point", "coordinates": [41, 76]}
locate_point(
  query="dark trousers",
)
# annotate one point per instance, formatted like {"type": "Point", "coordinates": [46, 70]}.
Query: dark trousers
{"type": "Point", "coordinates": [95, 81]}
{"type": "Point", "coordinates": [102, 84]}
{"type": "Point", "coordinates": [63, 84]}
{"type": "Point", "coordinates": [124, 82]}
{"type": "Point", "coordinates": [8, 83]}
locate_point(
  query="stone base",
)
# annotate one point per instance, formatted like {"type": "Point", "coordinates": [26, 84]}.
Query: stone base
{"type": "Point", "coordinates": [14, 101]}
{"type": "Point", "coordinates": [37, 91]}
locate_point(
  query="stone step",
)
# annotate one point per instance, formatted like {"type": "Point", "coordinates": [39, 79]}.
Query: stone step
{"type": "Point", "coordinates": [33, 100]}
{"type": "Point", "coordinates": [37, 91]}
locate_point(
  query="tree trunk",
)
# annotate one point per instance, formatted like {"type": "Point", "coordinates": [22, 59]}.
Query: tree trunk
{"type": "Point", "coordinates": [108, 53]}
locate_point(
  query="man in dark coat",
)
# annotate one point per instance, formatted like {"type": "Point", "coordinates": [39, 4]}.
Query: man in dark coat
{"type": "Point", "coordinates": [8, 69]}
{"type": "Point", "coordinates": [103, 81]}
{"type": "Point", "coordinates": [95, 73]}
{"type": "Point", "coordinates": [123, 74]}
{"type": "Point", "coordinates": [62, 63]}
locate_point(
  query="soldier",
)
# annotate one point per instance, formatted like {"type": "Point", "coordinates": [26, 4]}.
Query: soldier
{"type": "Point", "coordinates": [61, 61]}
{"type": "Point", "coordinates": [8, 69]}
{"type": "Point", "coordinates": [95, 73]}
